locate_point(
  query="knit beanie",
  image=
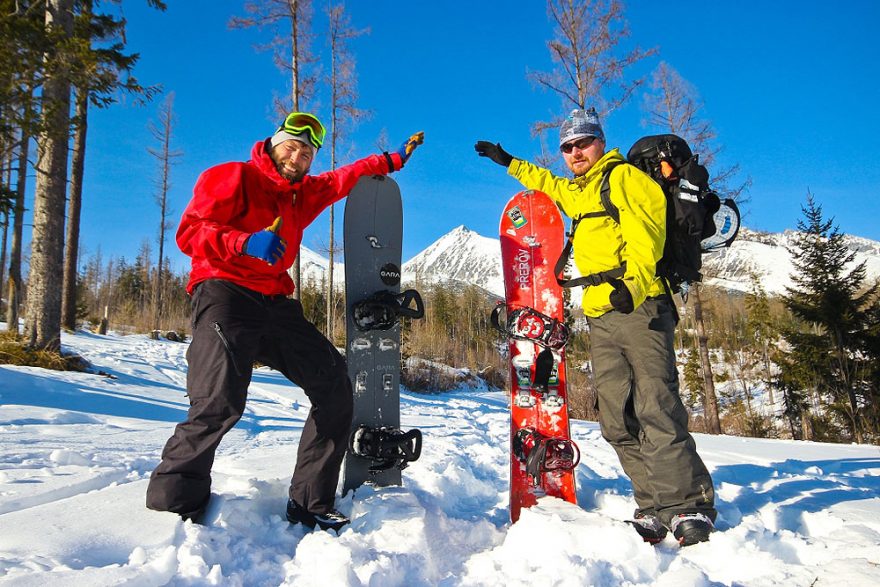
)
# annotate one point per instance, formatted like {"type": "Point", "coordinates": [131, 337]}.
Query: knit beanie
{"type": "Point", "coordinates": [282, 135]}
{"type": "Point", "coordinates": [580, 124]}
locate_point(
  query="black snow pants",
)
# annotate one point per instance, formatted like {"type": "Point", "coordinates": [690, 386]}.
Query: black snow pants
{"type": "Point", "coordinates": [233, 327]}
{"type": "Point", "coordinates": [641, 414]}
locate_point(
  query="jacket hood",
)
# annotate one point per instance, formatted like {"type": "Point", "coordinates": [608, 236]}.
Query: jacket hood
{"type": "Point", "coordinates": [598, 169]}
{"type": "Point", "coordinates": [608, 159]}
{"type": "Point", "coordinates": [263, 161]}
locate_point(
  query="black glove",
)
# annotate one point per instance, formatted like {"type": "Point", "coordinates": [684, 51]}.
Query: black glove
{"type": "Point", "coordinates": [621, 299]}
{"type": "Point", "coordinates": [494, 152]}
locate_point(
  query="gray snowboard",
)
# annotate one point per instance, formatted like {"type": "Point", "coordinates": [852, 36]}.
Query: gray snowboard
{"type": "Point", "coordinates": [373, 235]}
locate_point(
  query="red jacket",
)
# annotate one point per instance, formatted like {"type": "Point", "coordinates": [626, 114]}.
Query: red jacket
{"type": "Point", "coordinates": [233, 200]}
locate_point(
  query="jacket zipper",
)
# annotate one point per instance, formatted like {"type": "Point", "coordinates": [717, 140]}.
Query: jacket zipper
{"type": "Point", "coordinates": [225, 342]}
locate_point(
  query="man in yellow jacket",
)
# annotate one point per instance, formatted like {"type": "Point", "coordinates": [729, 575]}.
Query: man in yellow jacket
{"type": "Point", "coordinates": [632, 324]}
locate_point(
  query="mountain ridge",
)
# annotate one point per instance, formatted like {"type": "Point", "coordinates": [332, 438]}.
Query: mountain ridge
{"type": "Point", "coordinates": [463, 256]}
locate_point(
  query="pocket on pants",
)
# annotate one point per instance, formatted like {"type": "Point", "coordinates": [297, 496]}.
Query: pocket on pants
{"type": "Point", "coordinates": [661, 316]}
{"type": "Point", "coordinates": [230, 352]}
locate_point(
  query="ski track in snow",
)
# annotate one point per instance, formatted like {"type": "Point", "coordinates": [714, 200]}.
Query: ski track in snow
{"type": "Point", "coordinates": [77, 450]}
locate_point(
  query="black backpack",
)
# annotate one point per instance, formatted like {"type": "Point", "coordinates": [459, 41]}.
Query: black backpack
{"type": "Point", "coordinates": [697, 221]}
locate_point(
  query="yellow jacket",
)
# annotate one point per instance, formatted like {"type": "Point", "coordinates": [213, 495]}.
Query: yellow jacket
{"type": "Point", "coordinates": [600, 243]}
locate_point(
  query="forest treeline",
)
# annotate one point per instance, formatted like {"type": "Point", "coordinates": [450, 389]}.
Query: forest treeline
{"type": "Point", "coordinates": [805, 365]}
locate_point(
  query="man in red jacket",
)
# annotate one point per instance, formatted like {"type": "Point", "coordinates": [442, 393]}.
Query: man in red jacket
{"type": "Point", "coordinates": [243, 230]}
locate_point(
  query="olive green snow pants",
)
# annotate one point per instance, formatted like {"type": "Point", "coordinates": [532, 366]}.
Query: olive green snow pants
{"type": "Point", "coordinates": [641, 414]}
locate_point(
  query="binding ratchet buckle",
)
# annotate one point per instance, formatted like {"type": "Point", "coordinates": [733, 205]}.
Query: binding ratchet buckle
{"type": "Point", "coordinates": [389, 447]}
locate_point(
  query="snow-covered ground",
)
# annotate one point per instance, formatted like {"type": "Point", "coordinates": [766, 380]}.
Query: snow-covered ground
{"type": "Point", "coordinates": [76, 450]}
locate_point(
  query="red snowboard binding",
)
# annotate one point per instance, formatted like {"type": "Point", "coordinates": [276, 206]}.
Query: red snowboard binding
{"type": "Point", "coordinates": [542, 454]}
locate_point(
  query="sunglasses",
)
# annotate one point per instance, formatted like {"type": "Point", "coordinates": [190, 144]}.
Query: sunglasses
{"type": "Point", "coordinates": [300, 122]}
{"type": "Point", "coordinates": [581, 144]}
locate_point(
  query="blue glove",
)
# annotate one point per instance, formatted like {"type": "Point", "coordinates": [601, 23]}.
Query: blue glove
{"type": "Point", "coordinates": [410, 145]}
{"type": "Point", "coordinates": [266, 244]}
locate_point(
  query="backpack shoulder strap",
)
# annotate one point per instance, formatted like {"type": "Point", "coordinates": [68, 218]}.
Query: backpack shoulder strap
{"type": "Point", "coordinates": [605, 192]}
{"type": "Point", "coordinates": [610, 210]}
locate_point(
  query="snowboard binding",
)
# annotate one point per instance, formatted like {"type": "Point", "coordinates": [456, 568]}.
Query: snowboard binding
{"type": "Point", "coordinates": [542, 454]}
{"type": "Point", "coordinates": [526, 323]}
{"type": "Point", "coordinates": [389, 447]}
{"type": "Point", "coordinates": [382, 310]}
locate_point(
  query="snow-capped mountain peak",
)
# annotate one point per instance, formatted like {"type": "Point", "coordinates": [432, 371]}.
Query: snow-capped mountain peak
{"type": "Point", "coordinates": [461, 256]}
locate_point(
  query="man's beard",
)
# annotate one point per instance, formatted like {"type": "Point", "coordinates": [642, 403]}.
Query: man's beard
{"type": "Point", "coordinates": [293, 176]}
{"type": "Point", "coordinates": [581, 171]}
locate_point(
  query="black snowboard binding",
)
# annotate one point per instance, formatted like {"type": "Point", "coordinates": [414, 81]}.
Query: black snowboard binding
{"type": "Point", "coordinates": [382, 310]}
{"type": "Point", "coordinates": [526, 323]}
{"type": "Point", "coordinates": [543, 454]}
{"type": "Point", "coordinates": [389, 447]}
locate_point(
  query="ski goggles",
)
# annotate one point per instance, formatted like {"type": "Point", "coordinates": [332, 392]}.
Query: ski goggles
{"type": "Point", "coordinates": [298, 123]}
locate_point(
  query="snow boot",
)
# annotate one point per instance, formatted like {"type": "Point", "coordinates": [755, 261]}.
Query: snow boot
{"type": "Point", "coordinates": [332, 520]}
{"type": "Point", "coordinates": [197, 515]}
{"type": "Point", "coordinates": [649, 528]}
{"type": "Point", "coordinates": [691, 529]}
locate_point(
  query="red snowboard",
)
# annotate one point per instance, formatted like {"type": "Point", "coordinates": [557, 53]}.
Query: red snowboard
{"type": "Point", "coordinates": [532, 236]}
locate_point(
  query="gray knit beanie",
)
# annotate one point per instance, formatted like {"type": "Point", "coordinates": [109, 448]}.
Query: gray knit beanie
{"type": "Point", "coordinates": [580, 124]}
{"type": "Point", "coordinates": [282, 135]}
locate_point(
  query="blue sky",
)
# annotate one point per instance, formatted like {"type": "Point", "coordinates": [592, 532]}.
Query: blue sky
{"type": "Point", "coordinates": [790, 87]}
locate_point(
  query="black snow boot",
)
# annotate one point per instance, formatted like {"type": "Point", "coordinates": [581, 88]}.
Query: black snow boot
{"type": "Point", "coordinates": [332, 520]}
{"type": "Point", "coordinates": [649, 527]}
{"type": "Point", "coordinates": [691, 529]}
{"type": "Point", "coordinates": [197, 515]}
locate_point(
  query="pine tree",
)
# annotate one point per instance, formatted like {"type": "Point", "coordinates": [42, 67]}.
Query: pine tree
{"type": "Point", "coordinates": [761, 327]}
{"type": "Point", "coordinates": [100, 69]}
{"type": "Point", "coordinates": [833, 304]}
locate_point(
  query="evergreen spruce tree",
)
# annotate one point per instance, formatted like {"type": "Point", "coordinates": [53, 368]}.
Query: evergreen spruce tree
{"type": "Point", "coordinates": [871, 346]}
{"type": "Point", "coordinates": [834, 308]}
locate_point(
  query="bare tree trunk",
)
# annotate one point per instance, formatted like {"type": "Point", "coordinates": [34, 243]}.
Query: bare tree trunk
{"type": "Point", "coordinates": [765, 361]}
{"type": "Point", "coordinates": [331, 250]}
{"type": "Point", "coordinates": [298, 14]}
{"type": "Point", "coordinates": [7, 213]}
{"type": "Point", "coordinates": [333, 127]}
{"type": "Point", "coordinates": [710, 402]}
{"type": "Point", "coordinates": [806, 425]}
{"type": "Point", "coordinates": [15, 251]}
{"type": "Point", "coordinates": [43, 329]}
{"type": "Point", "coordinates": [344, 115]}
{"type": "Point", "coordinates": [295, 270]}
{"type": "Point", "coordinates": [6, 216]}
{"type": "Point", "coordinates": [165, 156]}
{"type": "Point", "coordinates": [74, 207]}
